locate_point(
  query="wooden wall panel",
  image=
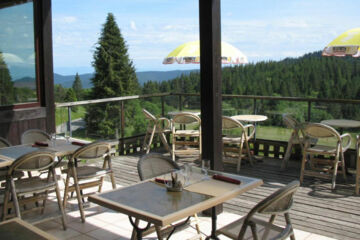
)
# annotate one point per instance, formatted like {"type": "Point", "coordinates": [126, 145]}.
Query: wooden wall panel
{"type": "Point", "coordinates": [13, 122]}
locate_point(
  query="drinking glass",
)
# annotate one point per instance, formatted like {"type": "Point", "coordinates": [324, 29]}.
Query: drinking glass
{"type": "Point", "coordinates": [53, 139]}
{"type": "Point", "coordinates": [186, 173]}
{"type": "Point", "coordinates": [67, 135]}
{"type": "Point", "coordinates": [205, 169]}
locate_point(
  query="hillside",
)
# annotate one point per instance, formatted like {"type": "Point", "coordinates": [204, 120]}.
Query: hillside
{"type": "Point", "coordinates": [158, 76]}
{"type": "Point", "coordinates": [25, 82]}
{"type": "Point", "coordinates": [308, 76]}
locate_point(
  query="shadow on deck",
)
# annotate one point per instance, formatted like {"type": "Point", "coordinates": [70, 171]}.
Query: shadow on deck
{"type": "Point", "coordinates": [316, 209]}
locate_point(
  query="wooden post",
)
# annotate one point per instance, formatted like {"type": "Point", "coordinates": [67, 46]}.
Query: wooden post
{"type": "Point", "coordinates": [210, 82]}
{"type": "Point", "coordinates": [309, 111]}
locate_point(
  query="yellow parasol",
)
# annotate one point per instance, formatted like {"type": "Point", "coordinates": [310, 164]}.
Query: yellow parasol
{"type": "Point", "coordinates": [347, 44]}
{"type": "Point", "coordinates": [190, 53]}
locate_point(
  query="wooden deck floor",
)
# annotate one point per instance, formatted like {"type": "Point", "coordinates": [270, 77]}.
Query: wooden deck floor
{"type": "Point", "coordinates": [317, 209]}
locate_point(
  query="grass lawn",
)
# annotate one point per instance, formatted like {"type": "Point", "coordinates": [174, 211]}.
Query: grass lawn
{"type": "Point", "coordinates": [61, 114]}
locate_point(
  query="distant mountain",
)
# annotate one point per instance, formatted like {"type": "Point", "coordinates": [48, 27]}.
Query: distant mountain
{"type": "Point", "coordinates": [25, 82]}
{"type": "Point", "coordinates": [158, 76]}
{"type": "Point", "coordinates": [67, 81]}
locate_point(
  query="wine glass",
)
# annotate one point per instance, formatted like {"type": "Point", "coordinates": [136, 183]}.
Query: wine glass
{"type": "Point", "coordinates": [205, 169]}
{"type": "Point", "coordinates": [186, 171]}
{"type": "Point", "coordinates": [53, 139]}
{"type": "Point", "coordinates": [67, 135]}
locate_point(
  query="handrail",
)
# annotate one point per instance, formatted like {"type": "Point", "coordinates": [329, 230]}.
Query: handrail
{"type": "Point", "coordinates": [181, 95]}
{"type": "Point", "coordinates": [296, 99]}
{"type": "Point", "coordinates": [114, 99]}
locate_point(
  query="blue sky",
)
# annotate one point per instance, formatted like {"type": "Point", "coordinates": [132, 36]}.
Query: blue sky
{"type": "Point", "coordinates": [261, 29]}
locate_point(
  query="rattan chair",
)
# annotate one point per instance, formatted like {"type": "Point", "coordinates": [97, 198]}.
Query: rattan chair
{"type": "Point", "coordinates": [357, 175]}
{"type": "Point", "coordinates": [34, 135]}
{"type": "Point", "coordinates": [295, 138]}
{"type": "Point", "coordinates": [32, 189]}
{"type": "Point", "coordinates": [236, 136]}
{"type": "Point", "coordinates": [86, 176]}
{"type": "Point", "coordinates": [187, 141]}
{"type": "Point", "coordinates": [251, 227]}
{"type": "Point", "coordinates": [4, 170]}
{"type": "Point", "coordinates": [324, 167]}
{"type": "Point", "coordinates": [159, 126]}
{"type": "Point", "coordinates": [153, 165]}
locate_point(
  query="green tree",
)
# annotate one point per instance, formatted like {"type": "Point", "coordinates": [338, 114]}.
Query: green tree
{"type": "Point", "coordinates": [71, 97]}
{"type": "Point", "coordinates": [77, 86]}
{"type": "Point", "coordinates": [114, 76]}
{"type": "Point", "coordinates": [60, 93]}
{"type": "Point", "coordinates": [7, 95]}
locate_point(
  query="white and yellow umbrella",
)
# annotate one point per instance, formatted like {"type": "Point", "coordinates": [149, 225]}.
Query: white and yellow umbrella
{"type": "Point", "coordinates": [190, 53]}
{"type": "Point", "coordinates": [347, 44]}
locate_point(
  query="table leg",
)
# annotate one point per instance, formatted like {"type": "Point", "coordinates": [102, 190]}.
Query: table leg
{"type": "Point", "coordinates": [138, 230]}
{"type": "Point", "coordinates": [213, 225]}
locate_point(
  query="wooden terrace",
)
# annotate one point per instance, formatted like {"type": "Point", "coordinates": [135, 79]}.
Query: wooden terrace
{"type": "Point", "coordinates": [317, 209]}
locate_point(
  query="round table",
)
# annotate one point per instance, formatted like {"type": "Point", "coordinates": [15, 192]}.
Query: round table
{"type": "Point", "coordinates": [250, 118]}
{"type": "Point", "coordinates": [177, 112]}
{"type": "Point", "coordinates": [342, 123]}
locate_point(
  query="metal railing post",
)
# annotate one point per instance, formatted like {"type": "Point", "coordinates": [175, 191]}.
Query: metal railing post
{"type": "Point", "coordinates": [309, 111]}
{"type": "Point", "coordinates": [254, 106]}
{"type": "Point", "coordinates": [162, 106]}
{"type": "Point", "coordinates": [69, 121]}
{"type": "Point", "coordinates": [122, 129]}
{"type": "Point", "coordinates": [180, 102]}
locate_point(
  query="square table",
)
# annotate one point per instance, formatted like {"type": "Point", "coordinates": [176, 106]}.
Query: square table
{"type": "Point", "coordinates": [9, 154]}
{"type": "Point", "coordinates": [17, 229]}
{"type": "Point", "coordinates": [151, 202]}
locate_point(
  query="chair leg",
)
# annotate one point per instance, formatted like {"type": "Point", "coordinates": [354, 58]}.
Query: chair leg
{"type": "Point", "coordinates": [173, 147]}
{"type": "Point", "coordinates": [249, 153]}
{"type": "Point", "coordinates": [240, 157]}
{"type": "Point", "coordinates": [102, 178]}
{"type": "Point", "coordinates": [14, 197]}
{"type": "Point", "coordinates": [285, 160]}
{"type": "Point", "coordinates": [151, 139]}
{"type": "Point", "coordinates": [343, 167]}
{"type": "Point", "coordinates": [357, 176]}
{"type": "Point", "coordinates": [112, 178]}
{"type": "Point", "coordinates": [44, 201]}
{"type": "Point", "coordinates": [164, 141]}
{"type": "Point", "coordinates": [303, 161]}
{"type": "Point", "coordinates": [78, 193]}
{"type": "Point", "coordinates": [61, 208]}
{"type": "Point", "coordinates": [66, 190]}
{"type": "Point", "coordinates": [288, 222]}
{"type": "Point", "coordinates": [145, 146]}
{"type": "Point", "coordinates": [336, 165]}
{"type": "Point", "coordinates": [6, 200]}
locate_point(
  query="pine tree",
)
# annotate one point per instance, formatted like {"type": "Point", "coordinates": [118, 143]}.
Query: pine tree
{"type": "Point", "coordinates": [59, 92]}
{"type": "Point", "coordinates": [7, 95]}
{"type": "Point", "coordinates": [114, 76]}
{"type": "Point", "coordinates": [77, 86]}
{"type": "Point", "coordinates": [71, 97]}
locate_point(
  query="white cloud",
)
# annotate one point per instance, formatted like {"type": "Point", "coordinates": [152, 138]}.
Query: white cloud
{"type": "Point", "coordinates": [12, 58]}
{"type": "Point", "coordinates": [65, 19]}
{"type": "Point", "coordinates": [133, 25]}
